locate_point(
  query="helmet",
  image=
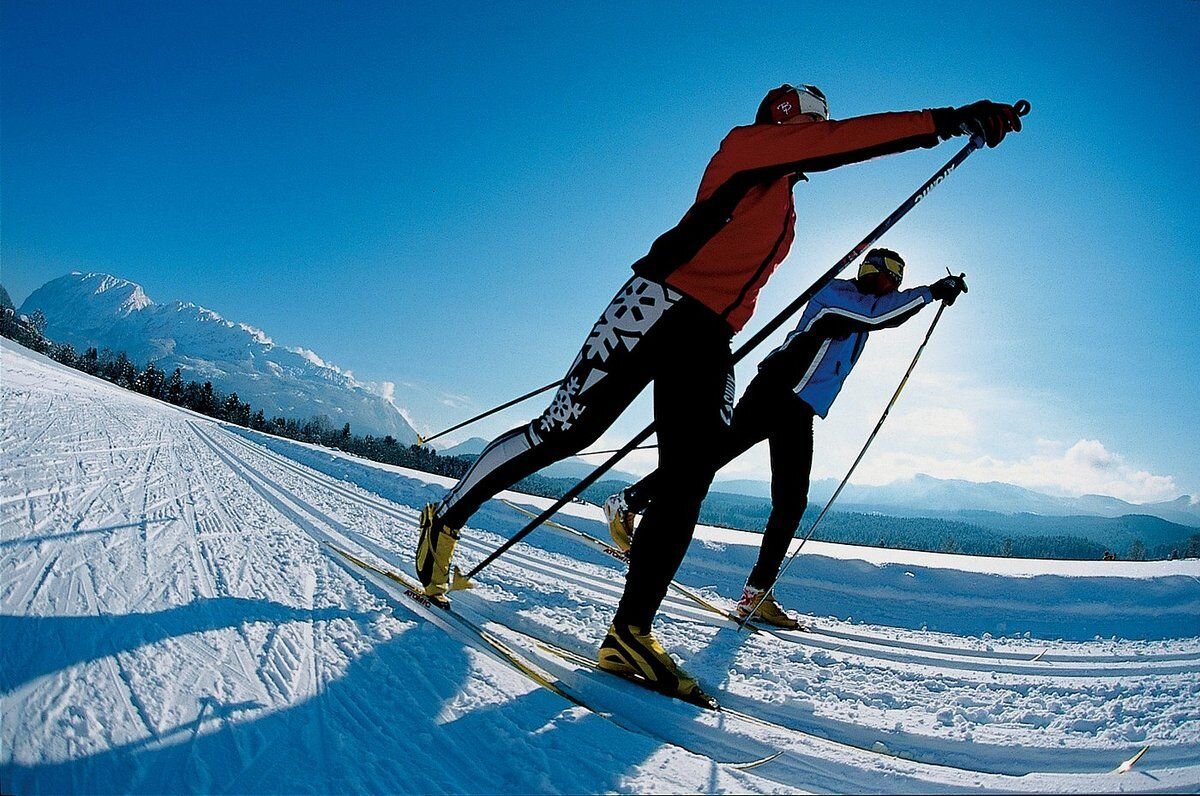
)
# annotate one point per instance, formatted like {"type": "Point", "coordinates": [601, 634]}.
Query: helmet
{"type": "Point", "coordinates": [882, 261]}
{"type": "Point", "coordinates": [787, 101]}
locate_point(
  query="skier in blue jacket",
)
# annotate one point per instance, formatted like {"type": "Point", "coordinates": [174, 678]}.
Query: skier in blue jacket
{"type": "Point", "coordinates": [796, 382]}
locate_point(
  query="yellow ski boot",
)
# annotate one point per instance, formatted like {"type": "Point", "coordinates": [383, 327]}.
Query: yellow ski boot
{"type": "Point", "coordinates": [620, 521]}
{"type": "Point", "coordinates": [635, 654]}
{"type": "Point", "coordinates": [769, 612]}
{"type": "Point", "coordinates": [435, 547]}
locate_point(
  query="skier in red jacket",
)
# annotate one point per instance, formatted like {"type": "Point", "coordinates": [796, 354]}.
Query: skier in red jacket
{"type": "Point", "coordinates": [672, 323]}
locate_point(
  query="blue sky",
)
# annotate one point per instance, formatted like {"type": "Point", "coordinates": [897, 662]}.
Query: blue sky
{"type": "Point", "coordinates": [444, 196]}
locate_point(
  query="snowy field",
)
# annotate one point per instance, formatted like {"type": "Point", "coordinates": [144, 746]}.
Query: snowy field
{"type": "Point", "coordinates": [171, 621]}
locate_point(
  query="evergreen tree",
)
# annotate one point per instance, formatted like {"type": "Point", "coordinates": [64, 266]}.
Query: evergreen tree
{"type": "Point", "coordinates": [88, 363]}
{"type": "Point", "coordinates": [150, 381]}
{"type": "Point", "coordinates": [207, 401]}
{"type": "Point", "coordinates": [174, 388]}
{"type": "Point", "coordinates": [191, 395]}
{"type": "Point", "coordinates": [235, 411]}
{"type": "Point", "coordinates": [119, 370]}
{"type": "Point", "coordinates": [1137, 550]}
{"type": "Point", "coordinates": [64, 353]}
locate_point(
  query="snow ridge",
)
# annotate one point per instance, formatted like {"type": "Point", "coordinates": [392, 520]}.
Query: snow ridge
{"type": "Point", "coordinates": [96, 309]}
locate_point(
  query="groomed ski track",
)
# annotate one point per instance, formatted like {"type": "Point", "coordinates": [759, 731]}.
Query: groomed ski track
{"type": "Point", "coordinates": [173, 618]}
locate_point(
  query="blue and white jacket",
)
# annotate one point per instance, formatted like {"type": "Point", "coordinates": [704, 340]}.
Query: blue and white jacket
{"type": "Point", "coordinates": [817, 357]}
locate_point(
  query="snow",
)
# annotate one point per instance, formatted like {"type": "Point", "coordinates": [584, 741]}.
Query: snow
{"type": "Point", "coordinates": [101, 310]}
{"type": "Point", "coordinates": [172, 621]}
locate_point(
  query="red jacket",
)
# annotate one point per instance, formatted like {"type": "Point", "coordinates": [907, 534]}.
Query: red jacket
{"type": "Point", "coordinates": [743, 222]}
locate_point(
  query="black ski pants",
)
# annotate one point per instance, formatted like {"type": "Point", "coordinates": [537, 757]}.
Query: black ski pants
{"type": "Point", "coordinates": [649, 332]}
{"type": "Point", "coordinates": [768, 410]}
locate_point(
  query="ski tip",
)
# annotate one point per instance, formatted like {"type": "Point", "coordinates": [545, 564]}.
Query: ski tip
{"type": "Point", "coordinates": [1125, 767]}
{"type": "Point", "coordinates": [700, 698]}
{"type": "Point", "coordinates": [460, 581]}
{"type": "Point", "coordinates": [755, 763]}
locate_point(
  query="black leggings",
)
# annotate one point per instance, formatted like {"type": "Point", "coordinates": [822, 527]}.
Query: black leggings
{"type": "Point", "coordinates": [649, 332]}
{"type": "Point", "coordinates": [770, 411]}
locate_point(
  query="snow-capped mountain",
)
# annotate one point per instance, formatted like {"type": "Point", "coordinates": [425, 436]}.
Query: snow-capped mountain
{"type": "Point", "coordinates": [105, 311]}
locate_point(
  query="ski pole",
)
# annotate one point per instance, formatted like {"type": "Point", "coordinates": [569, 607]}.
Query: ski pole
{"type": "Point", "coordinates": [614, 450]}
{"type": "Point", "coordinates": [422, 440]}
{"type": "Point", "coordinates": [838, 491]}
{"type": "Point", "coordinates": [462, 581]}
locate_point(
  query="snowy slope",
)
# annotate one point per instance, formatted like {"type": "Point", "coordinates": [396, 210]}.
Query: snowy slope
{"type": "Point", "coordinates": [101, 310]}
{"type": "Point", "coordinates": [171, 621]}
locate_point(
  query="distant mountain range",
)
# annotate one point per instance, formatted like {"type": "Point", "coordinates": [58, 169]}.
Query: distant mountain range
{"type": "Point", "coordinates": [926, 496]}
{"type": "Point", "coordinates": [989, 504]}
{"type": "Point", "coordinates": [104, 311]}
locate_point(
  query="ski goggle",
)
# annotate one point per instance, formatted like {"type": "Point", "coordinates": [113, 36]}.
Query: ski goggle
{"type": "Point", "coordinates": [796, 101]}
{"type": "Point", "coordinates": [883, 263]}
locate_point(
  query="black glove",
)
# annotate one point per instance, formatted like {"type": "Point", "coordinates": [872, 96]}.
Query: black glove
{"type": "Point", "coordinates": [947, 288]}
{"type": "Point", "coordinates": [992, 120]}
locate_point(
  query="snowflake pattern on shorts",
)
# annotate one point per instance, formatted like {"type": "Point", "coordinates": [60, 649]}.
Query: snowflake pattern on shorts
{"type": "Point", "coordinates": [628, 317]}
{"type": "Point", "coordinates": [728, 398]}
{"type": "Point", "coordinates": [564, 410]}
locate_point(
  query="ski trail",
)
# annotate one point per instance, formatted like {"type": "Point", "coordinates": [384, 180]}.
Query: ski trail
{"type": "Point", "coordinates": [605, 589]}
{"type": "Point", "coordinates": [995, 758]}
{"type": "Point", "coordinates": [185, 626]}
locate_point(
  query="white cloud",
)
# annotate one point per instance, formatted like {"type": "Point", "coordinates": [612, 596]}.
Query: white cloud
{"type": "Point", "coordinates": [1087, 467]}
{"type": "Point", "coordinates": [948, 425]}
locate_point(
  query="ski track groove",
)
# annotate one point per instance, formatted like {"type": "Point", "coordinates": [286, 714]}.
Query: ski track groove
{"type": "Point", "coordinates": [112, 664]}
{"type": "Point", "coordinates": [957, 659]}
{"type": "Point", "coordinates": [917, 746]}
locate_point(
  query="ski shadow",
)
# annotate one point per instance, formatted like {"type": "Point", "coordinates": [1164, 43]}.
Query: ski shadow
{"type": "Point", "coordinates": [410, 715]}
{"type": "Point", "coordinates": [75, 534]}
{"type": "Point", "coordinates": [35, 646]}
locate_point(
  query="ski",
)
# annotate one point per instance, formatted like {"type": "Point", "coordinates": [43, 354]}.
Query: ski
{"type": "Point", "coordinates": [426, 608]}
{"type": "Point", "coordinates": [620, 555]}
{"type": "Point", "coordinates": [465, 629]}
{"type": "Point", "coordinates": [584, 662]}
{"type": "Point", "coordinates": [523, 661]}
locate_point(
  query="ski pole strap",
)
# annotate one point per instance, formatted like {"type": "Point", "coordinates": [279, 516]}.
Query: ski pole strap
{"type": "Point", "coordinates": [494, 410]}
{"type": "Point", "coordinates": [850, 472]}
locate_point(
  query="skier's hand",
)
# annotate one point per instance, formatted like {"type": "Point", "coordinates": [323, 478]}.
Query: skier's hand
{"type": "Point", "coordinates": [992, 120]}
{"type": "Point", "coordinates": [947, 288]}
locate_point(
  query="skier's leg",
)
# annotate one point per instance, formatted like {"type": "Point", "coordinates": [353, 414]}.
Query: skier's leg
{"type": "Point", "coordinates": [606, 376]}
{"type": "Point", "coordinates": [750, 426]}
{"type": "Point", "coordinates": [692, 410]}
{"type": "Point", "coordinates": [791, 441]}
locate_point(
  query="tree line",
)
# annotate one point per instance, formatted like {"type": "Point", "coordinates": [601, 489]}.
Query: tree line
{"type": "Point", "coordinates": [204, 398]}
